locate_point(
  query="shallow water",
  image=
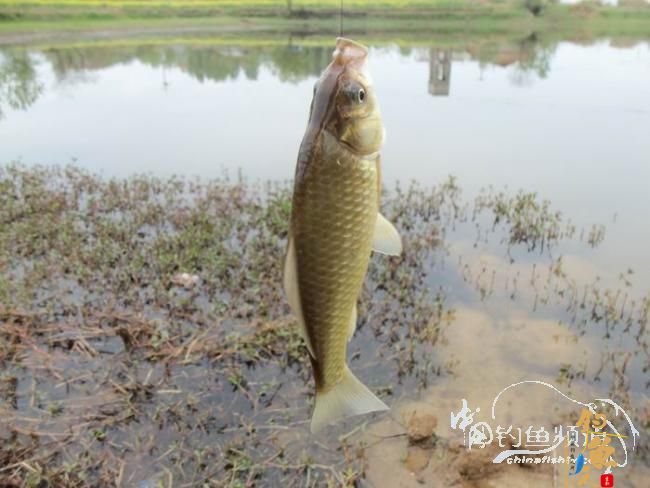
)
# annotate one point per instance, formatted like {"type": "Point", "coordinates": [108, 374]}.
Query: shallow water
{"type": "Point", "coordinates": [567, 121]}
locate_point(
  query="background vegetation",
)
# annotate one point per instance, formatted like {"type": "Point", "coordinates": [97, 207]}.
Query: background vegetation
{"type": "Point", "coordinates": [401, 15]}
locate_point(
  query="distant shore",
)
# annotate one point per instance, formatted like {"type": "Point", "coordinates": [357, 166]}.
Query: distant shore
{"type": "Point", "coordinates": [53, 22]}
{"type": "Point", "coordinates": [309, 17]}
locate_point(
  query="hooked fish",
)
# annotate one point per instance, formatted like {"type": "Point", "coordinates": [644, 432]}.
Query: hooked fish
{"type": "Point", "coordinates": [335, 224]}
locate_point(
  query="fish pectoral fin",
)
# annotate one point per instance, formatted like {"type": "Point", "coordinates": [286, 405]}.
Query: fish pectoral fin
{"type": "Point", "coordinates": [290, 282]}
{"type": "Point", "coordinates": [353, 323]}
{"type": "Point", "coordinates": [386, 239]}
{"type": "Point", "coordinates": [349, 397]}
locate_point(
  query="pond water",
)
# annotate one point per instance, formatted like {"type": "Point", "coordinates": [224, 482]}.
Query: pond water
{"type": "Point", "coordinates": [567, 121]}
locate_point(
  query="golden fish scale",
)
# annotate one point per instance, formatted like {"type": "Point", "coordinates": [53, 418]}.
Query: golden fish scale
{"type": "Point", "coordinates": [335, 210]}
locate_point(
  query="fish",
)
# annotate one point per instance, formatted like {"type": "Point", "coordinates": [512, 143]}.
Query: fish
{"type": "Point", "coordinates": [334, 226]}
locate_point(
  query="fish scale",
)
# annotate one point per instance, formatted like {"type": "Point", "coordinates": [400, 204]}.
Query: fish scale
{"type": "Point", "coordinates": [333, 231]}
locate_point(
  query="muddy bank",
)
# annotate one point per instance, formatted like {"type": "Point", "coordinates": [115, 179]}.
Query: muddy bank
{"type": "Point", "coordinates": [144, 337]}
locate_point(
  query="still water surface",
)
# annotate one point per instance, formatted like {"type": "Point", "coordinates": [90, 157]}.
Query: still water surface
{"type": "Point", "coordinates": [569, 121]}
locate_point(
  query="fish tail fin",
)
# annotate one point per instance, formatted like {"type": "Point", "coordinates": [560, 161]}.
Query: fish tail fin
{"type": "Point", "coordinates": [349, 397]}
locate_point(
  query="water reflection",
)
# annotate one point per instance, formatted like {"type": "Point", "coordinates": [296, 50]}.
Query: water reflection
{"type": "Point", "coordinates": [290, 63]}
{"type": "Point", "coordinates": [439, 71]}
{"type": "Point", "coordinates": [20, 86]}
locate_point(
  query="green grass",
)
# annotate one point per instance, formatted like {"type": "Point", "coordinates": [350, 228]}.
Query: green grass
{"type": "Point", "coordinates": [385, 19]}
{"type": "Point", "coordinates": [16, 10]}
{"type": "Point", "coordinates": [78, 33]}
{"type": "Point", "coordinates": [298, 10]}
{"type": "Point", "coordinates": [269, 4]}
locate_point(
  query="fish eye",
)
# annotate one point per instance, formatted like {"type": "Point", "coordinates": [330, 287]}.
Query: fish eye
{"type": "Point", "coordinates": [355, 93]}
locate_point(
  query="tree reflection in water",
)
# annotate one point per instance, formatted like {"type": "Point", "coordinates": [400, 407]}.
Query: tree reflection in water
{"type": "Point", "coordinates": [20, 86]}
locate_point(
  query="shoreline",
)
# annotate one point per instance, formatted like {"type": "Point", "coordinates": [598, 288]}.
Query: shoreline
{"type": "Point", "coordinates": [22, 21]}
{"type": "Point", "coordinates": [229, 31]}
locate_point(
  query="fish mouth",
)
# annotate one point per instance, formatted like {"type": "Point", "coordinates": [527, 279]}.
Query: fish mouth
{"type": "Point", "coordinates": [349, 52]}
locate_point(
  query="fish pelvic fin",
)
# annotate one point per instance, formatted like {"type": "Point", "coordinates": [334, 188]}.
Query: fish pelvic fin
{"type": "Point", "coordinates": [386, 239]}
{"type": "Point", "coordinates": [349, 397]}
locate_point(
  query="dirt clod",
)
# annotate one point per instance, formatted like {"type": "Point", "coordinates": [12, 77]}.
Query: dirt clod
{"type": "Point", "coordinates": [421, 427]}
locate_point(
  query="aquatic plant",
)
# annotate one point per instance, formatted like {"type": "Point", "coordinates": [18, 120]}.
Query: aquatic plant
{"type": "Point", "coordinates": [144, 335]}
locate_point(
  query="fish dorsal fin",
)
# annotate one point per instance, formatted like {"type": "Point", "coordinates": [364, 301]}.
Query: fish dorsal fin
{"type": "Point", "coordinates": [386, 240]}
{"type": "Point", "coordinates": [290, 281]}
{"type": "Point", "coordinates": [353, 323]}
